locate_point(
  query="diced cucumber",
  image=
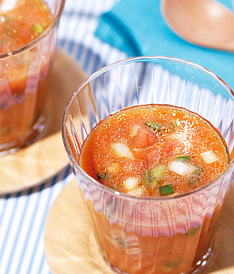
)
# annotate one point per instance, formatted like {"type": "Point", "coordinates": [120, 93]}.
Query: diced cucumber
{"type": "Point", "coordinates": [183, 158]}
{"type": "Point", "coordinates": [138, 192]}
{"type": "Point", "coordinates": [102, 176]}
{"type": "Point", "coordinates": [157, 172]}
{"type": "Point", "coordinates": [121, 150]}
{"type": "Point", "coordinates": [37, 28]}
{"type": "Point", "coordinates": [131, 183]}
{"type": "Point", "coordinates": [181, 168]}
{"type": "Point", "coordinates": [209, 157]}
{"type": "Point", "coordinates": [114, 168]}
{"type": "Point", "coordinates": [133, 131]}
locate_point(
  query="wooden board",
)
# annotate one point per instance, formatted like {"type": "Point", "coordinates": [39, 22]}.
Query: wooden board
{"type": "Point", "coordinates": [70, 246]}
{"type": "Point", "coordinates": [34, 164]}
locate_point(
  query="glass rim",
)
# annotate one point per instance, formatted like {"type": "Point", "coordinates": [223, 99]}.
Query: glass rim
{"type": "Point", "coordinates": [125, 62]}
{"type": "Point", "coordinates": [54, 23]}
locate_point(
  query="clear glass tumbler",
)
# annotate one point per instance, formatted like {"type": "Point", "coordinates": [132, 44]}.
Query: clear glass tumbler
{"type": "Point", "coordinates": [151, 235]}
{"type": "Point", "coordinates": [24, 85]}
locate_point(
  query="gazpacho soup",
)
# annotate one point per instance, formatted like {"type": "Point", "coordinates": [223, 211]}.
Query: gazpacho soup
{"type": "Point", "coordinates": [23, 73]}
{"type": "Point", "coordinates": [156, 152]}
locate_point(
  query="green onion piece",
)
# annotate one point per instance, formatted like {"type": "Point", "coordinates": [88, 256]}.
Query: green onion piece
{"type": "Point", "coordinates": [122, 242]}
{"type": "Point", "coordinates": [192, 231]}
{"type": "Point", "coordinates": [147, 178]}
{"type": "Point", "coordinates": [154, 126]}
{"type": "Point", "coordinates": [102, 176]}
{"type": "Point", "coordinates": [37, 28]}
{"type": "Point", "coordinates": [166, 190]}
{"type": "Point", "coordinates": [195, 176]}
{"type": "Point", "coordinates": [192, 182]}
{"type": "Point", "coordinates": [183, 158]}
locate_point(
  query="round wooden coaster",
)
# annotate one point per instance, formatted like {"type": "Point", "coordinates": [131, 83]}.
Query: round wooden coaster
{"type": "Point", "coordinates": [34, 164]}
{"type": "Point", "coordinates": [70, 246]}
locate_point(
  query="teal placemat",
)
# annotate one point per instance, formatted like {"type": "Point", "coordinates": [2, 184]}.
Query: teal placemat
{"type": "Point", "coordinates": [138, 28]}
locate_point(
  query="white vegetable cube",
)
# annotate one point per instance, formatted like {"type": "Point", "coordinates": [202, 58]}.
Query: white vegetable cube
{"type": "Point", "coordinates": [181, 168]}
{"type": "Point", "coordinates": [209, 157]}
{"type": "Point", "coordinates": [138, 192]}
{"type": "Point", "coordinates": [158, 171]}
{"type": "Point", "coordinates": [131, 183]}
{"type": "Point", "coordinates": [121, 150]}
{"type": "Point", "coordinates": [114, 168]}
{"type": "Point", "coordinates": [174, 136]}
{"type": "Point", "coordinates": [133, 130]}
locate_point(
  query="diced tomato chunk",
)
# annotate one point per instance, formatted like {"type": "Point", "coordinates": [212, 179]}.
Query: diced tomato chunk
{"type": "Point", "coordinates": [144, 137]}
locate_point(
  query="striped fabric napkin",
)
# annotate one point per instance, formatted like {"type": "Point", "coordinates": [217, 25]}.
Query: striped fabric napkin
{"type": "Point", "coordinates": [138, 28]}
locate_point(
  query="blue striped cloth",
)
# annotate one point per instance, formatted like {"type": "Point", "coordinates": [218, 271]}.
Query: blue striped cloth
{"type": "Point", "coordinates": [23, 215]}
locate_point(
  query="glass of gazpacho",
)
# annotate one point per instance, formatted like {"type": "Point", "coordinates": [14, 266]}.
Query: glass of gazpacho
{"type": "Point", "coordinates": [27, 45]}
{"type": "Point", "coordinates": [149, 140]}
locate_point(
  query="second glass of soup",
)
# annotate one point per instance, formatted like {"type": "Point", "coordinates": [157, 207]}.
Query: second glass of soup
{"type": "Point", "coordinates": [27, 46]}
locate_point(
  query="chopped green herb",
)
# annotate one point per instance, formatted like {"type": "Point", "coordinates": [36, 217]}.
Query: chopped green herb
{"type": "Point", "coordinates": [166, 190]}
{"type": "Point", "coordinates": [122, 242]}
{"type": "Point", "coordinates": [5, 130]}
{"type": "Point", "coordinates": [154, 126]}
{"type": "Point", "coordinates": [192, 231]}
{"type": "Point", "coordinates": [37, 28]}
{"type": "Point", "coordinates": [170, 266]}
{"type": "Point", "coordinates": [183, 158]}
{"type": "Point", "coordinates": [147, 178]}
{"type": "Point", "coordinates": [102, 176]}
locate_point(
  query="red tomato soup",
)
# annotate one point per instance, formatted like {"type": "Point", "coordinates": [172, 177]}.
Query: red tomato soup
{"type": "Point", "coordinates": [154, 151]}
{"type": "Point", "coordinates": [23, 76]}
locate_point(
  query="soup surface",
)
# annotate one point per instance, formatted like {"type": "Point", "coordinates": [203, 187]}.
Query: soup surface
{"type": "Point", "coordinates": [154, 151]}
{"type": "Point", "coordinates": [22, 23]}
